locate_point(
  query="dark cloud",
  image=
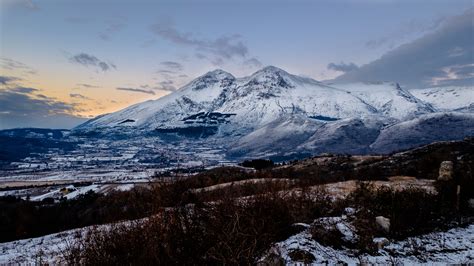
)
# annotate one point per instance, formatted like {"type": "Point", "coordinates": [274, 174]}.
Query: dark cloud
{"type": "Point", "coordinates": [428, 60]}
{"type": "Point", "coordinates": [342, 67]}
{"type": "Point", "coordinates": [23, 90]}
{"type": "Point", "coordinates": [20, 108]}
{"type": "Point", "coordinates": [253, 62]}
{"type": "Point", "coordinates": [219, 49]}
{"type": "Point", "coordinates": [172, 66]}
{"type": "Point", "coordinates": [5, 80]}
{"type": "Point", "coordinates": [137, 90]}
{"type": "Point", "coordinates": [78, 96]}
{"type": "Point", "coordinates": [90, 60]}
{"type": "Point", "coordinates": [404, 31]}
{"type": "Point", "coordinates": [458, 75]}
{"type": "Point", "coordinates": [10, 64]}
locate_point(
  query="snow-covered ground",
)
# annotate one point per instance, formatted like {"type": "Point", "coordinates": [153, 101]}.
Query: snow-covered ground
{"type": "Point", "coordinates": [46, 249]}
{"type": "Point", "coordinates": [455, 246]}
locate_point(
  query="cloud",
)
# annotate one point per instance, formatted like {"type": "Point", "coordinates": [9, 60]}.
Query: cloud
{"type": "Point", "coordinates": [174, 66]}
{"type": "Point", "coordinates": [137, 90]}
{"type": "Point", "coordinates": [26, 4]}
{"type": "Point", "coordinates": [89, 86]}
{"type": "Point", "coordinates": [342, 67]}
{"type": "Point", "coordinates": [23, 90]}
{"type": "Point", "coordinates": [30, 4]}
{"type": "Point", "coordinates": [164, 71]}
{"type": "Point", "coordinates": [455, 76]}
{"type": "Point", "coordinates": [404, 31]}
{"type": "Point", "coordinates": [20, 108]}
{"type": "Point", "coordinates": [166, 85]}
{"type": "Point", "coordinates": [10, 64]}
{"type": "Point", "coordinates": [90, 60]}
{"type": "Point", "coordinates": [78, 96]}
{"type": "Point", "coordinates": [253, 62]}
{"type": "Point", "coordinates": [168, 77]}
{"type": "Point", "coordinates": [113, 26]}
{"type": "Point", "coordinates": [5, 80]}
{"type": "Point", "coordinates": [427, 61]}
{"type": "Point", "coordinates": [219, 49]}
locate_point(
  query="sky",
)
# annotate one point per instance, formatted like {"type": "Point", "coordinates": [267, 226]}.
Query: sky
{"type": "Point", "coordinates": [64, 61]}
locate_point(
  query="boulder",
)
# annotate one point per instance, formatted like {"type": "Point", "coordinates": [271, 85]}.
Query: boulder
{"type": "Point", "coordinates": [383, 223]}
{"type": "Point", "coordinates": [470, 203]}
{"type": "Point", "coordinates": [381, 242]}
{"type": "Point", "coordinates": [445, 171]}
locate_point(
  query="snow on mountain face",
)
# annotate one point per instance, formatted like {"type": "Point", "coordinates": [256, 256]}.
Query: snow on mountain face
{"type": "Point", "coordinates": [424, 130]}
{"type": "Point", "coordinates": [197, 96]}
{"type": "Point", "coordinates": [274, 112]}
{"type": "Point", "coordinates": [282, 134]}
{"type": "Point", "coordinates": [388, 98]}
{"type": "Point", "coordinates": [262, 98]}
{"type": "Point", "coordinates": [447, 98]}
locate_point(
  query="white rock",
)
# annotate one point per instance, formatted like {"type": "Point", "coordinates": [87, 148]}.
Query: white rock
{"type": "Point", "coordinates": [383, 223]}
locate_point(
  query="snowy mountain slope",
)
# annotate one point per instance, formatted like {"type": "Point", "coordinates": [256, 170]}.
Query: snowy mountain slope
{"type": "Point", "coordinates": [367, 135]}
{"type": "Point", "coordinates": [272, 112]}
{"type": "Point", "coordinates": [303, 135]}
{"type": "Point", "coordinates": [277, 137]}
{"type": "Point", "coordinates": [197, 96]}
{"type": "Point", "coordinates": [261, 98]}
{"type": "Point", "coordinates": [424, 130]}
{"type": "Point", "coordinates": [447, 98]}
{"type": "Point", "coordinates": [389, 98]}
{"type": "Point", "coordinates": [272, 93]}
{"type": "Point", "coordinates": [350, 135]}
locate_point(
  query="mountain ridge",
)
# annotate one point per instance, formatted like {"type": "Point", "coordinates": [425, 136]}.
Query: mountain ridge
{"type": "Point", "coordinates": [231, 110]}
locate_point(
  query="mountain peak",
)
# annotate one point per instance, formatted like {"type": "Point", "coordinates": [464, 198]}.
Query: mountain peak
{"type": "Point", "coordinates": [272, 70]}
{"type": "Point", "coordinates": [211, 77]}
{"type": "Point", "coordinates": [219, 74]}
{"type": "Point", "coordinates": [273, 76]}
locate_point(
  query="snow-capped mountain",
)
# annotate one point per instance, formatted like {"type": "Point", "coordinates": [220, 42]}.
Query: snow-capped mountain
{"type": "Point", "coordinates": [274, 112]}
{"type": "Point", "coordinates": [447, 98]}
{"type": "Point", "coordinates": [263, 97]}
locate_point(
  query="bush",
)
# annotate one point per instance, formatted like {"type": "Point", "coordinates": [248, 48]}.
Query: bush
{"type": "Point", "coordinates": [224, 233]}
{"type": "Point", "coordinates": [412, 211]}
{"type": "Point", "coordinates": [258, 164]}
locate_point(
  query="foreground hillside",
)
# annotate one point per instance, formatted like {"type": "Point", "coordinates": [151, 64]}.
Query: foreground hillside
{"type": "Point", "coordinates": [315, 210]}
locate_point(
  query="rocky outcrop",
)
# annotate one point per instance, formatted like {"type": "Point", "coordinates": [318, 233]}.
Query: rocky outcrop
{"type": "Point", "coordinates": [383, 223]}
{"type": "Point", "coordinates": [445, 171]}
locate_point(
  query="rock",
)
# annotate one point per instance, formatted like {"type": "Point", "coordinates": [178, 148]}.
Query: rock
{"type": "Point", "coordinates": [445, 171]}
{"type": "Point", "coordinates": [349, 211]}
{"type": "Point", "coordinates": [381, 242]}
{"type": "Point", "coordinates": [470, 203]}
{"type": "Point", "coordinates": [383, 223]}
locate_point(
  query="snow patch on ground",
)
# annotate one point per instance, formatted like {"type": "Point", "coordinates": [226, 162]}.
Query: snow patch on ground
{"type": "Point", "coordinates": [453, 246]}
